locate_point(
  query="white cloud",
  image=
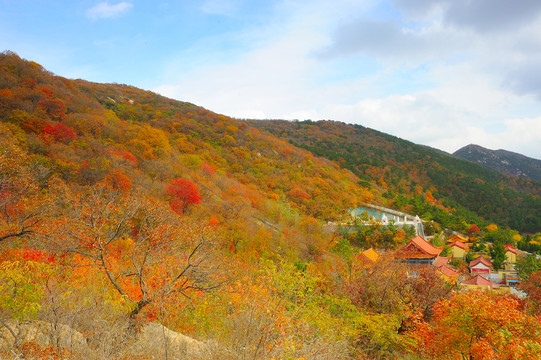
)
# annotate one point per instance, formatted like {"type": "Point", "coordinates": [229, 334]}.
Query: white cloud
{"type": "Point", "coordinates": [447, 91]}
{"type": "Point", "coordinates": [105, 10]}
{"type": "Point", "coordinates": [219, 7]}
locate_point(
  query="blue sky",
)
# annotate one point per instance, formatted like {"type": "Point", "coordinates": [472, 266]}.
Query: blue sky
{"type": "Point", "coordinates": [444, 73]}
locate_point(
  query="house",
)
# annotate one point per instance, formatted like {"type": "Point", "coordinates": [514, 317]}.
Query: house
{"type": "Point", "coordinates": [368, 258]}
{"type": "Point", "coordinates": [440, 261]}
{"type": "Point", "coordinates": [481, 265]}
{"type": "Point", "coordinates": [478, 282]}
{"type": "Point", "coordinates": [370, 255]}
{"type": "Point", "coordinates": [458, 248]}
{"type": "Point", "coordinates": [418, 252]}
{"type": "Point", "coordinates": [448, 274]}
{"type": "Point", "coordinates": [458, 237]}
{"type": "Point", "coordinates": [511, 278]}
{"type": "Point", "coordinates": [510, 253]}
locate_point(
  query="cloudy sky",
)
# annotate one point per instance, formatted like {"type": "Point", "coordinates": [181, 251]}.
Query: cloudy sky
{"type": "Point", "coordinates": [444, 73]}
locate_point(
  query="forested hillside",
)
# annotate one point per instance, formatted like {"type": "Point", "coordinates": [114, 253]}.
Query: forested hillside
{"type": "Point", "coordinates": [419, 179]}
{"type": "Point", "coordinates": [123, 211]}
{"type": "Point", "coordinates": [155, 202]}
{"type": "Point", "coordinates": [506, 162]}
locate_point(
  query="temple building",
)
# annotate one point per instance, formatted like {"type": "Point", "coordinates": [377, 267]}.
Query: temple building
{"type": "Point", "coordinates": [481, 266]}
{"type": "Point", "coordinates": [510, 253]}
{"type": "Point", "coordinates": [458, 249]}
{"type": "Point", "coordinates": [478, 282]}
{"type": "Point", "coordinates": [418, 252]}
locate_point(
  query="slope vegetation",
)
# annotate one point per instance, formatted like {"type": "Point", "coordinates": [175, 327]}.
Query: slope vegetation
{"type": "Point", "coordinates": [127, 217]}
{"type": "Point", "coordinates": [503, 161]}
{"type": "Point", "coordinates": [416, 178]}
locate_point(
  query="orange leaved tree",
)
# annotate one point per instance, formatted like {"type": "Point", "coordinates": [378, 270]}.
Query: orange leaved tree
{"type": "Point", "coordinates": [142, 249]}
{"type": "Point", "coordinates": [20, 197]}
{"type": "Point", "coordinates": [479, 325]}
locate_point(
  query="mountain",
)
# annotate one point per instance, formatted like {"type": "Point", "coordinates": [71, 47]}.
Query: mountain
{"type": "Point", "coordinates": [504, 161]}
{"type": "Point", "coordinates": [83, 130]}
{"type": "Point", "coordinates": [123, 210]}
{"type": "Point", "coordinates": [418, 179]}
{"type": "Point", "coordinates": [250, 182]}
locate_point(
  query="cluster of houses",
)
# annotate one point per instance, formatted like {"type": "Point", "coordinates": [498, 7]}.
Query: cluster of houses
{"type": "Point", "coordinates": [419, 252]}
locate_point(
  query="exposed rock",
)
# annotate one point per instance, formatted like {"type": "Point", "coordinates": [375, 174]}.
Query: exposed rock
{"type": "Point", "coordinates": [41, 333]}
{"type": "Point", "coordinates": [162, 343]}
{"type": "Point", "coordinates": [154, 341]}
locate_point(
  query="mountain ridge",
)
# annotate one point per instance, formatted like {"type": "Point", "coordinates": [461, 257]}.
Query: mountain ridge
{"type": "Point", "coordinates": [501, 160]}
{"type": "Point", "coordinates": [80, 129]}
{"type": "Point", "coordinates": [415, 177]}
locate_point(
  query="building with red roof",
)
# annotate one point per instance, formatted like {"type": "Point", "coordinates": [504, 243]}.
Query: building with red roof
{"type": "Point", "coordinates": [458, 248]}
{"type": "Point", "coordinates": [481, 265]}
{"type": "Point", "coordinates": [478, 282]}
{"type": "Point", "coordinates": [449, 272]}
{"type": "Point", "coordinates": [510, 253]}
{"type": "Point", "coordinates": [440, 261]}
{"type": "Point", "coordinates": [418, 251]}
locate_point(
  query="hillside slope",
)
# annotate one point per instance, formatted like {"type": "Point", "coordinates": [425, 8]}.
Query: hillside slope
{"type": "Point", "coordinates": [503, 161]}
{"type": "Point", "coordinates": [419, 179]}
{"type": "Point", "coordinates": [122, 209]}
{"type": "Point", "coordinates": [86, 131]}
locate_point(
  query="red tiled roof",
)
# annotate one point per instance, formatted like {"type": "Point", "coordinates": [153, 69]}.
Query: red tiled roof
{"type": "Point", "coordinates": [446, 270]}
{"type": "Point", "coordinates": [459, 244]}
{"type": "Point", "coordinates": [481, 260]}
{"type": "Point", "coordinates": [440, 261]}
{"type": "Point", "coordinates": [510, 248]}
{"type": "Point", "coordinates": [425, 246]}
{"type": "Point", "coordinates": [478, 280]}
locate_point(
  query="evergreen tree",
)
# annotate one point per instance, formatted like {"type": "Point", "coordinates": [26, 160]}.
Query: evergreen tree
{"type": "Point", "coordinates": [497, 254]}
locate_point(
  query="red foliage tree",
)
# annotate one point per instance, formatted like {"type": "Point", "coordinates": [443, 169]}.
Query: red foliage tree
{"type": "Point", "coordinates": [37, 255]}
{"type": "Point", "coordinates": [208, 169]}
{"type": "Point", "coordinates": [299, 194]}
{"type": "Point", "coordinates": [474, 229]}
{"type": "Point", "coordinates": [479, 325]}
{"type": "Point", "coordinates": [47, 92]}
{"type": "Point", "coordinates": [182, 193]}
{"type": "Point", "coordinates": [126, 155]}
{"type": "Point", "coordinates": [59, 132]}
{"type": "Point", "coordinates": [533, 287]}
{"type": "Point", "coordinates": [118, 180]}
{"type": "Point", "coordinates": [33, 125]}
{"type": "Point", "coordinates": [55, 108]}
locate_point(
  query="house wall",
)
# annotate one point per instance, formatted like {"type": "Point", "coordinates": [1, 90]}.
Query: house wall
{"type": "Point", "coordinates": [480, 269]}
{"type": "Point", "coordinates": [511, 257]}
{"type": "Point", "coordinates": [458, 252]}
{"type": "Point", "coordinates": [476, 287]}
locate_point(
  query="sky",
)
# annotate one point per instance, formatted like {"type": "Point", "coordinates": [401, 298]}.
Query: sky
{"type": "Point", "coordinates": [443, 73]}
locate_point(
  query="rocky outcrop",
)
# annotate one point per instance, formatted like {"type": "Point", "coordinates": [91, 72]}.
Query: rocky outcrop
{"type": "Point", "coordinates": [14, 333]}
{"type": "Point", "coordinates": [162, 343]}
{"type": "Point", "coordinates": [153, 341]}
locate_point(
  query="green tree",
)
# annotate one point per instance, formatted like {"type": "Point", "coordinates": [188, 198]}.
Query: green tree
{"type": "Point", "coordinates": [469, 257]}
{"type": "Point", "coordinates": [497, 254]}
{"type": "Point", "coordinates": [527, 265]}
{"type": "Point", "coordinates": [410, 230]}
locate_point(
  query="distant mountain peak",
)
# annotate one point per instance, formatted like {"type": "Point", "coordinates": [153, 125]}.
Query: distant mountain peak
{"type": "Point", "coordinates": [504, 161]}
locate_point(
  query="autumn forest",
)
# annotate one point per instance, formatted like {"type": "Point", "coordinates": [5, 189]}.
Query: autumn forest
{"type": "Point", "coordinates": [133, 226]}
